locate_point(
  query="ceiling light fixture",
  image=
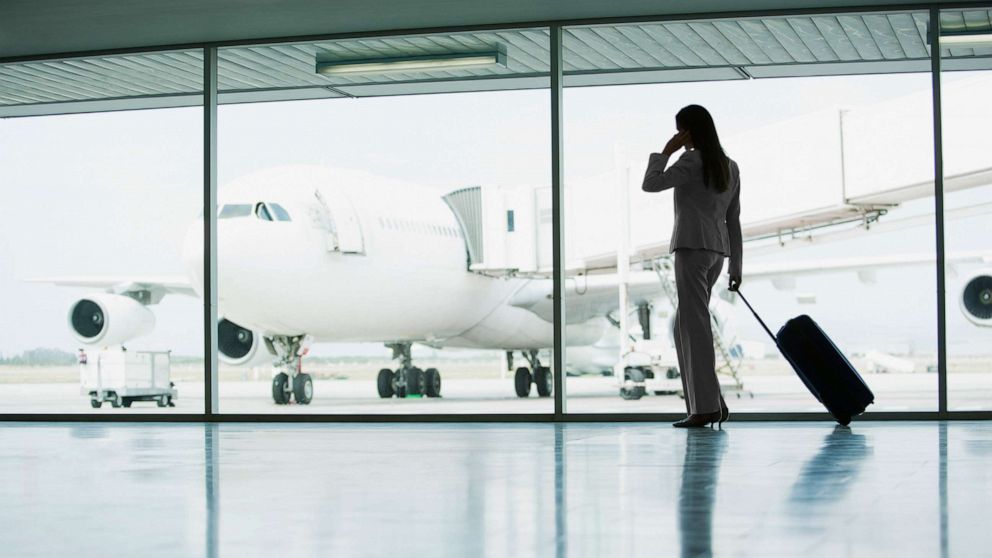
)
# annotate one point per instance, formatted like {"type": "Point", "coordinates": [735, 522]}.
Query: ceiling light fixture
{"type": "Point", "coordinates": [452, 61]}
{"type": "Point", "coordinates": [966, 39]}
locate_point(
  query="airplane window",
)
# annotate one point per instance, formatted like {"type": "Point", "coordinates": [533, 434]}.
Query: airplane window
{"type": "Point", "coordinates": [231, 211]}
{"type": "Point", "coordinates": [262, 212]}
{"type": "Point", "coordinates": [280, 212]}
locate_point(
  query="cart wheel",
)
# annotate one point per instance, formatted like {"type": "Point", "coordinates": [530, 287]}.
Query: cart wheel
{"type": "Point", "coordinates": [635, 392]}
{"type": "Point", "coordinates": [163, 401]}
{"type": "Point", "coordinates": [96, 403]}
{"type": "Point", "coordinates": [115, 401]}
{"type": "Point", "coordinates": [127, 403]}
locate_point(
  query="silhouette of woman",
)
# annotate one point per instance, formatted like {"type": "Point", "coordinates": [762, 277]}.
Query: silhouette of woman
{"type": "Point", "coordinates": [706, 186]}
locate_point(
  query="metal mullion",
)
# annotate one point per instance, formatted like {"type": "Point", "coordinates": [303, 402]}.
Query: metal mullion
{"type": "Point", "coordinates": [210, 372]}
{"type": "Point", "coordinates": [938, 211]}
{"type": "Point", "coordinates": [602, 418]}
{"type": "Point", "coordinates": [557, 223]}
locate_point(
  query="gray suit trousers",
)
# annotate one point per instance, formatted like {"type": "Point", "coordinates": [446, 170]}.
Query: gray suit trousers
{"type": "Point", "coordinates": [696, 271]}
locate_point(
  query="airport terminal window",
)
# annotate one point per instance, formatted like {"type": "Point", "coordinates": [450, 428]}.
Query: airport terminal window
{"type": "Point", "coordinates": [386, 313]}
{"type": "Point", "coordinates": [838, 141]}
{"type": "Point", "coordinates": [966, 87]}
{"type": "Point", "coordinates": [131, 182]}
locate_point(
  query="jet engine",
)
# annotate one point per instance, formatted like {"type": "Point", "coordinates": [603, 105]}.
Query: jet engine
{"type": "Point", "coordinates": [109, 319]}
{"type": "Point", "coordinates": [240, 346]}
{"type": "Point", "coordinates": [976, 298]}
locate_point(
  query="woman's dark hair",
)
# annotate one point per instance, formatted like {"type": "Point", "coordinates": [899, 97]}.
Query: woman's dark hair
{"type": "Point", "coordinates": [716, 166]}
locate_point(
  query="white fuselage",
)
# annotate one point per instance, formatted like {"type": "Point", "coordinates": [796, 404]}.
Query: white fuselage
{"type": "Point", "coordinates": [361, 259]}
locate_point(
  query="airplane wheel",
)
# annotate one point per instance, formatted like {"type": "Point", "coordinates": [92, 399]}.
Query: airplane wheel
{"type": "Point", "coordinates": [432, 382]}
{"type": "Point", "coordinates": [414, 381]}
{"type": "Point", "coordinates": [400, 390]}
{"type": "Point", "coordinates": [96, 403]}
{"type": "Point", "coordinates": [163, 401]}
{"type": "Point", "coordinates": [544, 381]}
{"type": "Point", "coordinates": [280, 386]}
{"type": "Point", "coordinates": [116, 401]}
{"type": "Point", "coordinates": [303, 389]}
{"type": "Point", "coordinates": [385, 383]}
{"type": "Point", "coordinates": [127, 403]}
{"type": "Point", "coordinates": [521, 382]}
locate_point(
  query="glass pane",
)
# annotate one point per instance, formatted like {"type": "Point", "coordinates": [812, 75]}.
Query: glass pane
{"type": "Point", "coordinates": [396, 280]}
{"type": "Point", "coordinates": [100, 292]}
{"type": "Point", "coordinates": [829, 119]}
{"type": "Point", "coordinates": [966, 87]}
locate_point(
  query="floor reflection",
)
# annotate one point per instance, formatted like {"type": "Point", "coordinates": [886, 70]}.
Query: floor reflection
{"type": "Point", "coordinates": [211, 473]}
{"type": "Point", "coordinates": [809, 490]}
{"type": "Point", "coordinates": [704, 449]}
{"type": "Point", "coordinates": [832, 471]}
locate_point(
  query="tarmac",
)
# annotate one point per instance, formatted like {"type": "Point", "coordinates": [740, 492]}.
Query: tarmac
{"type": "Point", "coordinates": [586, 394]}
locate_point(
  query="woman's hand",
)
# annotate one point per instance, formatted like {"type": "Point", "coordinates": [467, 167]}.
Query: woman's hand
{"type": "Point", "coordinates": [735, 283]}
{"type": "Point", "coordinates": [677, 142]}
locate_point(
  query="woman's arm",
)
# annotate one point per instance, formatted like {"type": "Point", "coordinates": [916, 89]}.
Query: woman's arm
{"type": "Point", "coordinates": [656, 178]}
{"type": "Point", "coordinates": [734, 231]}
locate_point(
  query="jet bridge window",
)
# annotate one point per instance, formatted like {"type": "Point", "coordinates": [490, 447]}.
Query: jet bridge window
{"type": "Point", "coordinates": [234, 210]}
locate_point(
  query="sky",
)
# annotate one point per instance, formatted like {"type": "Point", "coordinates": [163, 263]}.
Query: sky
{"type": "Point", "coordinates": [113, 193]}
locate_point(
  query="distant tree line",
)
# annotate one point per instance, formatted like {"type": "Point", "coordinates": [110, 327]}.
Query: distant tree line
{"type": "Point", "coordinates": [40, 357]}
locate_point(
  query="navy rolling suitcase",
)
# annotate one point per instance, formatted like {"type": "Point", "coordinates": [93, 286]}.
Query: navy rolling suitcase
{"type": "Point", "coordinates": [821, 366]}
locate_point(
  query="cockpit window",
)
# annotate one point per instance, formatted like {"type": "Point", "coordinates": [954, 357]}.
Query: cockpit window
{"type": "Point", "coordinates": [231, 211]}
{"type": "Point", "coordinates": [262, 212]}
{"type": "Point", "coordinates": [280, 212]}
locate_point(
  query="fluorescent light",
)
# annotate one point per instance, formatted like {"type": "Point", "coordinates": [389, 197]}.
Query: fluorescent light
{"type": "Point", "coordinates": [460, 61]}
{"type": "Point", "coordinates": [966, 39]}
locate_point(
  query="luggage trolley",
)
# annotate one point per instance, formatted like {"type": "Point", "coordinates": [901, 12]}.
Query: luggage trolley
{"type": "Point", "coordinates": [121, 377]}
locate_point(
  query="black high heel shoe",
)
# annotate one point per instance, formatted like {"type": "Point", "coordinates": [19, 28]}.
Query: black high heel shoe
{"type": "Point", "coordinates": [695, 421]}
{"type": "Point", "coordinates": [724, 412]}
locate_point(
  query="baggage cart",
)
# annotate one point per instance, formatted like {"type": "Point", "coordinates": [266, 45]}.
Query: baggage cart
{"type": "Point", "coordinates": [121, 377]}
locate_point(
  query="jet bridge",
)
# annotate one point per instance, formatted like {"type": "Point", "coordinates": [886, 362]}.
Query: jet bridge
{"type": "Point", "coordinates": [500, 228]}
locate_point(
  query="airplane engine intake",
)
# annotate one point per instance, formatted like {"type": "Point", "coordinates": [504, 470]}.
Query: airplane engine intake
{"type": "Point", "coordinates": [239, 346]}
{"type": "Point", "coordinates": [976, 298]}
{"type": "Point", "coordinates": [109, 319]}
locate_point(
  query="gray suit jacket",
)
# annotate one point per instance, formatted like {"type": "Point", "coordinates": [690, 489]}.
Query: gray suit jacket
{"type": "Point", "coordinates": [704, 218]}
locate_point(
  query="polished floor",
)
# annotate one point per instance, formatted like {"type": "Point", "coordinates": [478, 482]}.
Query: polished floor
{"type": "Point", "coordinates": [754, 489]}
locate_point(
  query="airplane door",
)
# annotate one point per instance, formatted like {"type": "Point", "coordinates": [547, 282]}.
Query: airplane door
{"type": "Point", "coordinates": [345, 230]}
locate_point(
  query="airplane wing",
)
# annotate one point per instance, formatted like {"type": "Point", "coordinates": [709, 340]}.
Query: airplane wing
{"type": "Point", "coordinates": [589, 296]}
{"type": "Point", "coordinates": [156, 286]}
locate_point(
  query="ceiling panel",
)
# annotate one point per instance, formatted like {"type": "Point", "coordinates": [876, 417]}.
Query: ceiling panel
{"type": "Point", "coordinates": [654, 52]}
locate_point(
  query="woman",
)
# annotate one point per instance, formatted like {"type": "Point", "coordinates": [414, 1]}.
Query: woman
{"type": "Point", "coordinates": [707, 229]}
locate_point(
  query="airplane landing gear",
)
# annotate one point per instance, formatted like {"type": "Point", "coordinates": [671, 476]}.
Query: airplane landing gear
{"type": "Point", "coordinates": [521, 382]}
{"type": "Point", "coordinates": [407, 379]}
{"type": "Point", "coordinates": [523, 378]}
{"type": "Point", "coordinates": [290, 381]}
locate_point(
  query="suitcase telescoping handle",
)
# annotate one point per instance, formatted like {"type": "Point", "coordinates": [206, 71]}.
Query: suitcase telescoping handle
{"type": "Point", "coordinates": [760, 321]}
